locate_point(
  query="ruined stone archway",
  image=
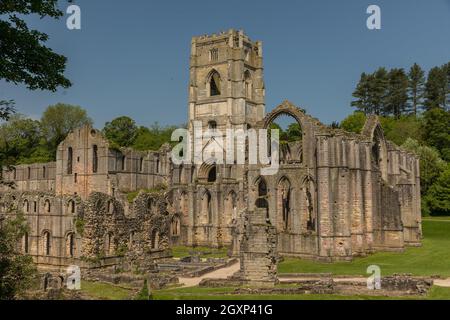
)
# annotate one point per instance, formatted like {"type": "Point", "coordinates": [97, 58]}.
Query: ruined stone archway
{"type": "Point", "coordinates": [286, 108]}
{"type": "Point", "coordinates": [292, 137]}
{"type": "Point", "coordinates": [378, 153]}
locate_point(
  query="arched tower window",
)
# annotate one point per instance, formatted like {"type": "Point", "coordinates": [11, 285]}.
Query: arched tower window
{"type": "Point", "coordinates": [214, 84]}
{"type": "Point", "coordinates": [94, 159]}
{"type": "Point", "coordinates": [212, 174]}
{"type": "Point", "coordinates": [69, 160]}
{"type": "Point", "coordinates": [29, 173]}
{"type": "Point", "coordinates": [44, 172]}
{"type": "Point", "coordinates": [141, 164]}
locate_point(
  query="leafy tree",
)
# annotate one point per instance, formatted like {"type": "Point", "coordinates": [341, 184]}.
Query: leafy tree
{"type": "Point", "coordinates": [24, 58]}
{"type": "Point", "coordinates": [59, 120]}
{"type": "Point", "coordinates": [416, 88]}
{"type": "Point", "coordinates": [438, 197]}
{"type": "Point", "coordinates": [154, 137]}
{"type": "Point", "coordinates": [354, 122]}
{"type": "Point", "coordinates": [436, 88]}
{"type": "Point", "coordinates": [6, 110]}
{"type": "Point", "coordinates": [431, 164]}
{"type": "Point", "coordinates": [294, 132]}
{"type": "Point", "coordinates": [17, 270]}
{"type": "Point", "coordinates": [436, 130]}
{"type": "Point", "coordinates": [397, 93]}
{"type": "Point", "coordinates": [399, 130]}
{"type": "Point", "coordinates": [18, 138]}
{"type": "Point", "coordinates": [121, 131]}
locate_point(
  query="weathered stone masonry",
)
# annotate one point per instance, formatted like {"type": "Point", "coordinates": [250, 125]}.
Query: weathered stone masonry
{"type": "Point", "coordinates": [336, 195]}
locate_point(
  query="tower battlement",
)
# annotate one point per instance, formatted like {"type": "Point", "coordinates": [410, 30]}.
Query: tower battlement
{"type": "Point", "coordinates": [226, 80]}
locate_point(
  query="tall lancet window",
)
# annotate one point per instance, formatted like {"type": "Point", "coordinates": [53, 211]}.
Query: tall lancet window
{"type": "Point", "coordinates": [214, 84]}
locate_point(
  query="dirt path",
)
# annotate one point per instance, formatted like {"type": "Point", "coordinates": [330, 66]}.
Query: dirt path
{"type": "Point", "coordinates": [228, 271]}
{"type": "Point", "coordinates": [442, 282]}
{"type": "Point", "coordinates": [217, 274]}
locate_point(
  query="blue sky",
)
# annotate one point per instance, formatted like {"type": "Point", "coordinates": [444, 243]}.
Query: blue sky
{"type": "Point", "coordinates": [131, 57]}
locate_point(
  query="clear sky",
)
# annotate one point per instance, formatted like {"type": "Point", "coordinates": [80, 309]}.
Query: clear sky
{"type": "Point", "coordinates": [131, 57]}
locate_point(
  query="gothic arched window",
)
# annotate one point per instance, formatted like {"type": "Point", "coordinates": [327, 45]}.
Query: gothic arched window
{"type": "Point", "coordinates": [212, 174]}
{"type": "Point", "coordinates": [214, 84]}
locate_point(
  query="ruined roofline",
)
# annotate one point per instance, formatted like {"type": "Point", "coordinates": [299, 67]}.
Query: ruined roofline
{"type": "Point", "coordinates": [319, 128]}
{"type": "Point", "coordinates": [6, 168]}
{"type": "Point", "coordinates": [287, 107]}
{"type": "Point", "coordinates": [111, 145]}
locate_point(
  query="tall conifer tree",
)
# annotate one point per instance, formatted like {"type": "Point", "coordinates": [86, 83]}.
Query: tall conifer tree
{"type": "Point", "coordinates": [416, 77]}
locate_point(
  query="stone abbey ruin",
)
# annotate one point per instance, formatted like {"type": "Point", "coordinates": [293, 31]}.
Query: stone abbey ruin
{"type": "Point", "coordinates": [336, 195]}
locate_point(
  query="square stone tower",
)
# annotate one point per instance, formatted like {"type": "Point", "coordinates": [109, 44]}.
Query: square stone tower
{"type": "Point", "coordinates": [226, 88]}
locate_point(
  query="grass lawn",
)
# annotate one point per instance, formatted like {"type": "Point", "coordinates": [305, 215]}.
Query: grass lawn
{"type": "Point", "coordinates": [433, 258]}
{"type": "Point", "coordinates": [182, 251]}
{"type": "Point", "coordinates": [105, 291]}
{"type": "Point", "coordinates": [437, 218]}
{"type": "Point", "coordinates": [197, 293]}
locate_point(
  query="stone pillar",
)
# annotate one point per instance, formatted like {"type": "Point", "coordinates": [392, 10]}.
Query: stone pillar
{"type": "Point", "coordinates": [368, 195]}
{"type": "Point", "coordinates": [325, 219]}
{"type": "Point", "coordinates": [258, 250]}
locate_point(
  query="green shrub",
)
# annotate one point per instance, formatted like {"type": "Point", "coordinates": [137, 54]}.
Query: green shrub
{"type": "Point", "coordinates": [438, 197]}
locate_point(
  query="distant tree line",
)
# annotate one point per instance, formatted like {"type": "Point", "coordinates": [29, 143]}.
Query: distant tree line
{"type": "Point", "coordinates": [396, 92]}
{"type": "Point", "coordinates": [24, 140]}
